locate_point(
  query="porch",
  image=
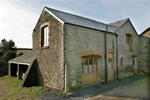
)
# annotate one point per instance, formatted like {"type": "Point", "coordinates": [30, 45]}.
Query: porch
{"type": "Point", "coordinates": [19, 66]}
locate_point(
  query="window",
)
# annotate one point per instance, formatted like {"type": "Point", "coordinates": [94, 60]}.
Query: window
{"type": "Point", "coordinates": [85, 66]}
{"type": "Point", "coordinates": [121, 62]}
{"type": "Point", "coordinates": [128, 44]}
{"type": "Point", "coordinates": [95, 65]}
{"type": "Point", "coordinates": [109, 64]}
{"type": "Point", "coordinates": [89, 65]}
{"type": "Point", "coordinates": [44, 36]}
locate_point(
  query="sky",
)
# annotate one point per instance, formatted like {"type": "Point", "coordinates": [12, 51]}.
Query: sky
{"type": "Point", "coordinates": [19, 17]}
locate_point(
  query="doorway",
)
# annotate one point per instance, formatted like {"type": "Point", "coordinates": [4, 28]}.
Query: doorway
{"type": "Point", "coordinates": [90, 71]}
{"type": "Point", "coordinates": [134, 65]}
{"type": "Point", "coordinates": [110, 66]}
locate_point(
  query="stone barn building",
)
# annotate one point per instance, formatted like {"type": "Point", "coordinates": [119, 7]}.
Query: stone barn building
{"type": "Point", "coordinates": [70, 51]}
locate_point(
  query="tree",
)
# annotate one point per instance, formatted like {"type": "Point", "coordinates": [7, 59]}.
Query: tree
{"type": "Point", "coordinates": [11, 44]}
{"type": "Point", "coordinates": [7, 45]}
{"type": "Point", "coordinates": [4, 44]}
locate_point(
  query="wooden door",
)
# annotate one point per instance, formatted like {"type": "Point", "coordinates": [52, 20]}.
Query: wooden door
{"type": "Point", "coordinates": [90, 71]}
{"type": "Point", "coordinates": [110, 69]}
{"type": "Point", "coordinates": [134, 65]}
{"type": "Point", "coordinates": [110, 66]}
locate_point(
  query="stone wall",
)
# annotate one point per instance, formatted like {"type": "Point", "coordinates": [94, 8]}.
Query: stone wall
{"type": "Point", "coordinates": [111, 45]}
{"type": "Point", "coordinates": [144, 56]}
{"type": "Point", "coordinates": [122, 52]}
{"type": "Point", "coordinates": [78, 39]}
{"type": "Point", "coordinates": [50, 59]}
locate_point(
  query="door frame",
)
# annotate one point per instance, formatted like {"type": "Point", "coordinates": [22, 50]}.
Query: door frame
{"type": "Point", "coordinates": [111, 56]}
{"type": "Point", "coordinates": [83, 69]}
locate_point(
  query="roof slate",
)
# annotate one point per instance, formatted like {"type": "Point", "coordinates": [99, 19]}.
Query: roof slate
{"type": "Point", "coordinates": [26, 58]}
{"type": "Point", "coordinates": [148, 29]}
{"type": "Point", "coordinates": [81, 21]}
{"type": "Point", "coordinates": [118, 23]}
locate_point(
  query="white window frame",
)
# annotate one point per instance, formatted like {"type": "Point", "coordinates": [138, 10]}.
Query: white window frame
{"type": "Point", "coordinates": [46, 36]}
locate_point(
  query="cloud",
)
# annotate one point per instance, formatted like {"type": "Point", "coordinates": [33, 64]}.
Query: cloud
{"type": "Point", "coordinates": [17, 24]}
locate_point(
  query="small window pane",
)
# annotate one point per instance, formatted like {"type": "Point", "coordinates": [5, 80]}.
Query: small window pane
{"type": "Point", "coordinates": [90, 65]}
{"type": "Point", "coordinates": [85, 69]}
{"type": "Point", "coordinates": [85, 61]}
{"type": "Point", "coordinates": [46, 36]}
{"type": "Point", "coordinates": [90, 69]}
{"type": "Point", "coordinates": [94, 65]}
{"type": "Point", "coordinates": [85, 66]}
{"type": "Point", "coordinates": [90, 61]}
{"type": "Point", "coordinates": [110, 64]}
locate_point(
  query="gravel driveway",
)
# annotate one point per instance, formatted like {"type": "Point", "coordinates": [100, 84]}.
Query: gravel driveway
{"type": "Point", "coordinates": [126, 88]}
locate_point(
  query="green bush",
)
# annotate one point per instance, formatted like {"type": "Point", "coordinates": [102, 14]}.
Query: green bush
{"type": "Point", "coordinates": [3, 68]}
{"type": "Point", "coordinates": [20, 54]}
{"type": "Point", "coordinates": [9, 55]}
{"type": "Point", "coordinates": [126, 71]}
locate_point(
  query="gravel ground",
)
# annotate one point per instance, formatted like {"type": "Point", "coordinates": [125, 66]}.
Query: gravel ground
{"type": "Point", "coordinates": [54, 96]}
{"type": "Point", "coordinates": [96, 89]}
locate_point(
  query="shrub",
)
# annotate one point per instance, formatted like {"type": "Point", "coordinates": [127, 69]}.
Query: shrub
{"type": "Point", "coordinates": [9, 55]}
{"type": "Point", "coordinates": [1, 54]}
{"type": "Point", "coordinates": [20, 54]}
{"type": "Point", "coordinates": [3, 68]}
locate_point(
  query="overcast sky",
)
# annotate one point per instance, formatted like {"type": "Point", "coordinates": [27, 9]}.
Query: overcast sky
{"type": "Point", "coordinates": [19, 17]}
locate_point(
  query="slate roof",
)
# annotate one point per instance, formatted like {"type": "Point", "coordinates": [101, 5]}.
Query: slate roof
{"type": "Point", "coordinates": [118, 23]}
{"type": "Point", "coordinates": [25, 58]}
{"type": "Point", "coordinates": [148, 29]}
{"type": "Point", "coordinates": [81, 21]}
{"type": "Point", "coordinates": [121, 22]}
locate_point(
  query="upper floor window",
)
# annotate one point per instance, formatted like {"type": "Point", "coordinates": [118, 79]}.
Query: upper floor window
{"type": "Point", "coordinates": [121, 62]}
{"type": "Point", "coordinates": [128, 42]}
{"type": "Point", "coordinates": [44, 36]}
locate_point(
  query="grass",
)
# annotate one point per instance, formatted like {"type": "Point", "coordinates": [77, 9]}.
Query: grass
{"type": "Point", "coordinates": [14, 90]}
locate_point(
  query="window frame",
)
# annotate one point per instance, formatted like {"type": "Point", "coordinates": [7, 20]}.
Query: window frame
{"type": "Point", "coordinates": [128, 42]}
{"type": "Point", "coordinates": [45, 36]}
{"type": "Point", "coordinates": [83, 65]}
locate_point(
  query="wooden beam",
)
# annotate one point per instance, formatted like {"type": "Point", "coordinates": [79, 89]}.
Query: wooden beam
{"type": "Point", "coordinates": [83, 66]}
{"type": "Point", "coordinates": [9, 69]}
{"type": "Point", "coordinates": [93, 65]}
{"type": "Point", "coordinates": [19, 63]}
{"type": "Point", "coordinates": [88, 65]}
{"type": "Point", "coordinates": [18, 66]}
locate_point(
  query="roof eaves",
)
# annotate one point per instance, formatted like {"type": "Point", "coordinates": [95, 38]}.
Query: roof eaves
{"type": "Point", "coordinates": [133, 27]}
{"type": "Point", "coordinates": [38, 20]}
{"type": "Point", "coordinates": [76, 15]}
{"type": "Point", "coordinates": [45, 9]}
{"type": "Point", "coordinates": [90, 28]}
{"type": "Point", "coordinates": [54, 15]}
{"type": "Point", "coordinates": [121, 26]}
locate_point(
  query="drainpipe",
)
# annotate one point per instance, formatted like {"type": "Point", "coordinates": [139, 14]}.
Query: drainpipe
{"type": "Point", "coordinates": [106, 54]}
{"type": "Point", "coordinates": [117, 56]}
{"type": "Point", "coordinates": [65, 78]}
